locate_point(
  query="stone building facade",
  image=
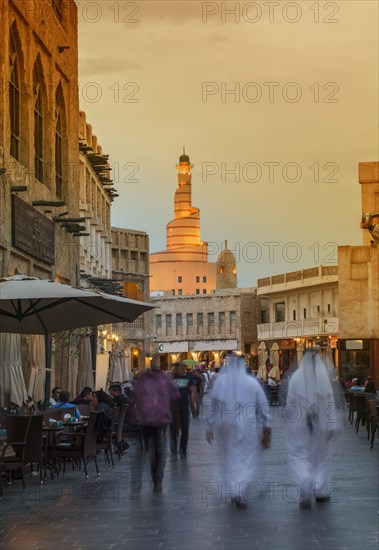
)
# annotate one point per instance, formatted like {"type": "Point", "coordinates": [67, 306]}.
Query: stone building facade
{"type": "Point", "coordinates": [96, 196]}
{"type": "Point", "coordinates": [299, 307]}
{"type": "Point", "coordinates": [39, 138]}
{"type": "Point", "coordinates": [205, 327]}
{"type": "Point", "coordinates": [359, 289]}
{"type": "Point", "coordinates": [130, 266]}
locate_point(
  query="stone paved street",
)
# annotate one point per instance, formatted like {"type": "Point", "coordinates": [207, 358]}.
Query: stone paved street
{"type": "Point", "coordinates": [120, 511]}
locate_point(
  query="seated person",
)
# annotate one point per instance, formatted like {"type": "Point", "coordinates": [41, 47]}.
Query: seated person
{"type": "Point", "coordinates": [118, 396]}
{"type": "Point", "coordinates": [54, 399]}
{"type": "Point", "coordinates": [369, 385]}
{"type": "Point", "coordinates": [64, 398]}
{"type": "Point", "coordinates": [356, 385]}
{"type": "Point", "coordinates": [103, 404]}
{"type": "Point", "coordinates": [84, 398]}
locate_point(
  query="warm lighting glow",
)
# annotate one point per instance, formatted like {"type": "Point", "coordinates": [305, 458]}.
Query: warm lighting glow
{"type": "Point", "coordinates": [135, 352]}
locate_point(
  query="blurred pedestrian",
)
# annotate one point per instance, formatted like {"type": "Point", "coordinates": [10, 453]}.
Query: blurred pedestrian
{"type": "Point", "coordinates": [153, 395]}
{"type": "Point", "coordinates": [239, 414]}
{"type": "Point", "coordinates": [313, 417]}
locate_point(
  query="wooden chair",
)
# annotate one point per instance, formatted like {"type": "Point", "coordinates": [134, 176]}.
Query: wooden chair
{"type": "Point", "coordinates": [119, 429]}
{"type": "Point", "coordinates": [352, 408]}
{"type": "Point", "coordinates": [362, 413]}
{"type": "Point", "coordinates": [107, 443]}
{"type": "Point", "coordinates": [84, 450]}
{"type": "Point", "coordinates": [33, 448]}
{"type": "Point", "coordinates": [17, 431]}
{"type": "Point", "coordinates": [373, 419]}
{"type": "Point", "coordinates": [85, 410]}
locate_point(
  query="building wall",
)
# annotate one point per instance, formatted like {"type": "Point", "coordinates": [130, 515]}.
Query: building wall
{"type": "Point", "coordinates": [130, 265]}
{"type": "Point", "coordinates": [95, 204]}
{"type": "Point", "coordinates": [228, 315]}
{"type": "Point", "coordinates": [297, 304]}
{"type": "Point", "coordinates": [38, 35]}
{"type": "Point", "coordinates": [359, 287]}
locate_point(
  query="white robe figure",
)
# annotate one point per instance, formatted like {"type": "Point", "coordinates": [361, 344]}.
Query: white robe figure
{"type": "Point", "coordinates": [238, 412]}
{"type": "Point", "coordinates": [312, 416]}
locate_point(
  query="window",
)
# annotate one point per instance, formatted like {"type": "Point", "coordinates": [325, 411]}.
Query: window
{"type": "Point", "coordinates": [318, 309]}
{"type": "Point", "coordinates": [158, 321]}
{"type": "Point", "coordinates": [197, 279]}
{"type": "Point", "coordinates": [173, 291]}
{"type": "Point", "coordinates": [222, 269]}
{"type": "Point", "coordinates": [221, 319]}
{"type": "Point", "coordinates": [38, 125]}
{"type": "Point", "coordinates": [169, 321]}
{"type": "Point", "coordinates": [199, 322]}
{"type": "Point", "coordinates": [180, 292]}
{"type": "Point", "coordinates": [189, 320]}
{"type": "Point", "coordinates": [263, 316]}
{"type": "Point", "coordinates": [233, 319]}
{"type": "Point", "coordinates": [198, 291]}
{"type": "Point", "coordinates": [294, 314]}
{"type": "Point", "coordinates": [204, 291]}
{"type": "Point", "coordinates": [180, 279]}
{"type": "Point", "coordinates": [14, 100]}
{"type": "Point", "coordinates": [211, 319]}
{"type": "Point", "coordinates": [179, 319]}
{"type": "Point", "coordinates": [279, 312]}
{"type": "Point", "coordinates": [328, 308]}
{"type": "Point", "coordinates": [204, 279]}
{"type": "Point", "coordinates": [58, 144]}
{"type": "Point", "coordinates": [305, 313]}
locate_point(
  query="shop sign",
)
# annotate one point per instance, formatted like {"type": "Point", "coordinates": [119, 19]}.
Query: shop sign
{"type": "Point", "coordinates": [32, 232]}
{"type": "Point", "coordinates": [173, 347]}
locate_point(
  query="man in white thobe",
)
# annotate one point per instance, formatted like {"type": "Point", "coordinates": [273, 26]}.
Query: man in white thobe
{"type": "Point", "coordinates": [313, 416]}
{"type": "Point", "coordinates": [239, 413]}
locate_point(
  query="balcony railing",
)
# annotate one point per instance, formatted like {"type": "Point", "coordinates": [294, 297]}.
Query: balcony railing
{"type": "Point", "coordinates": [298, 329]}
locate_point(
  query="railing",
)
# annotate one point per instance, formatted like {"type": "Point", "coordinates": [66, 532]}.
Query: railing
{"type": "Point", "coordinates": [298, 329]}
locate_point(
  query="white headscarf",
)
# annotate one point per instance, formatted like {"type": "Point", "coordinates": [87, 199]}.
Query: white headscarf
{"type": "Point", "coordinates": [234, 389]}
{"type": "Point", "coordinates": [310, 388]}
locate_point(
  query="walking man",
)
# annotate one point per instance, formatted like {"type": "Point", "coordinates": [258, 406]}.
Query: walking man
{"type": "Point", "coordinates": [154, 393]}
{"type": "Point", "coordinates": [187, 389]}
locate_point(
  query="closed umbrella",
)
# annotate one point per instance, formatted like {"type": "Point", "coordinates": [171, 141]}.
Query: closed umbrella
{"type": "Point", "coordinates": [35, 306]}
{"type": "Point", "coordinates": [12, 383]}
{"type": "Point", "coordinates": [275, 371]}
{"type": "Point", "coordinates": [300, 353]}
{"type": "Point", "coordinates": [125, 366]}
{"type": "Point", "coordinates": [85, 373]}
{"type": "Point", "coordinates": [37, 363]}
{"type": "Point", "coordinates": [115, 373]}
{"type": "Point", "coordinates": [262, 355]}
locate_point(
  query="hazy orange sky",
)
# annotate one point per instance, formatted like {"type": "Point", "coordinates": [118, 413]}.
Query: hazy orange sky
{"type": "Point", "coordinates": [276, 161]}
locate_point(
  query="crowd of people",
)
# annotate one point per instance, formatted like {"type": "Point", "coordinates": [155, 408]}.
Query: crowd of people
{"type": "Point", "coordinates": [236, 413]}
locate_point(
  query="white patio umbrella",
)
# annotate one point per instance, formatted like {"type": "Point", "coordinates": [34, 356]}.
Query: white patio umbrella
{"type": "Point", "coordinates": [37, 365]}
{"type": "Point", "coordinates": [299, 353]}
{"type": "Point", "coordinates": [35, 306]}
{"type": "Point", "coordinates": [262, 355]}
{"type": "Point", "coordinates": [12, 383]}
{"type": "Point", "coordinates": [275, 371]}
{"type": "Point", "coordinates": [85, 373]}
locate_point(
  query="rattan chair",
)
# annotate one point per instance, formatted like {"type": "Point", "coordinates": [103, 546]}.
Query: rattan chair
{"type": "Point", "coordinates": [81, 447]}
{"type": "Point", "coordinates": [17, 432]}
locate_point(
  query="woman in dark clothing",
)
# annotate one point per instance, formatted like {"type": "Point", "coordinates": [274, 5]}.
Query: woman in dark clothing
{"type": "Point", "coordinates": [103, 403]}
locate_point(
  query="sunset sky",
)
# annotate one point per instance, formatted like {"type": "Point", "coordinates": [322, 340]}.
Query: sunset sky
{"type": "Point", "coordinates": [154, 76]}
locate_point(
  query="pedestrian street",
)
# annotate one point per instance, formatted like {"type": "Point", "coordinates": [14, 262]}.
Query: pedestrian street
{"type": "Point", "coordinates": [120, 511]}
